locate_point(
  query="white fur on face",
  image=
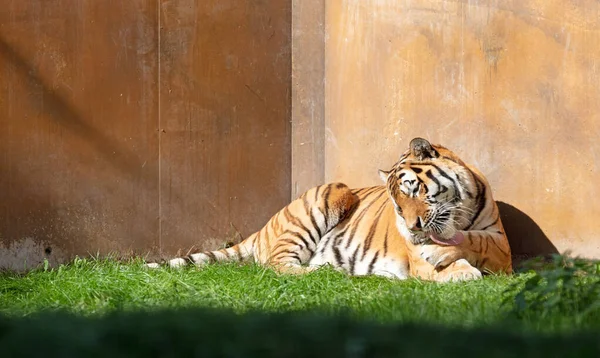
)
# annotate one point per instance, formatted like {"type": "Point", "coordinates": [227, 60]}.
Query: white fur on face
{"type": "Point", "coordinates": [409, 183]}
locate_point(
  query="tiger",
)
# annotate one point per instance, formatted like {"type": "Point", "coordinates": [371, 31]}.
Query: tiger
{"type": "Point", "coordinates": [434, 219]}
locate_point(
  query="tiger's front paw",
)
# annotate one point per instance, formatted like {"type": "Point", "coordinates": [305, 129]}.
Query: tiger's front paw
{"type": "Point", "coordinates": [460, 270]}
{"type": "Point", "coordinates": [439, 256]}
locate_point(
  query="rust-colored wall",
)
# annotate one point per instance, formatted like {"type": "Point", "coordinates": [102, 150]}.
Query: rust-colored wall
{"type": "Point", "coordinates": [225, 112]}
{"type": "Point", "coordinates": [123, 130]}
{"type": "Point", "coordinates": [512, 86]}
{"type": "Point", "coordinates": [78, 112]}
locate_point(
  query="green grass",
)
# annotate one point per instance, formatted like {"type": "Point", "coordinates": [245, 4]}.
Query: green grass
{"type": "Point", "coordinates": [92, 287]}
{"type": "Point", "coordinates": [104, 307]}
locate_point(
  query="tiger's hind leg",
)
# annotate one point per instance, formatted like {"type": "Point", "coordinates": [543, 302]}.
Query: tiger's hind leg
{"type": "Point", "coordinates": [289, 254]}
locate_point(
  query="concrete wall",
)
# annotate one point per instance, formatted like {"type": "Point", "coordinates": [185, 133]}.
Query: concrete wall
{"type": "Point", "coordinates": [512, 86]}
{"type": "Point", "coordinates": [141, 126]}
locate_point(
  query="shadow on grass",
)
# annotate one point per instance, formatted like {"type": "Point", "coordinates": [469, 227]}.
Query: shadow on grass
{"type": "Point", "coordinates": [211, 333]}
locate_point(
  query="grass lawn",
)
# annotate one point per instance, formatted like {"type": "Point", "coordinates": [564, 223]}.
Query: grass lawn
{"type": "Point", "coordinates": [208, 303]}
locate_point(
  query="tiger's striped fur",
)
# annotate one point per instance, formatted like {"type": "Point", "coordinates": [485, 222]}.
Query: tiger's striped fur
{"type": "Point", "coordinates": [291, 236]}
{"type": "Point", "coordinates": [409, 227]}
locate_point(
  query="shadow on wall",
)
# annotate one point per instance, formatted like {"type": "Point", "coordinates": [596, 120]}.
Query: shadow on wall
{"type": "Point", "coordinates": [58, 108]}
{"type": "Point", "coordinates": [32, 226]}
{"type": "Point", "coordinates": [525, 237]}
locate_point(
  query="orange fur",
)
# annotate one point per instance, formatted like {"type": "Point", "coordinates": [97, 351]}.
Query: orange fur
{"type": "Point", "coordinates": [386, 230]}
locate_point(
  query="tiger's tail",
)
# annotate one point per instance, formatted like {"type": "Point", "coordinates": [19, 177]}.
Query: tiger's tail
{"type": "Point", "coordinates": [240, 252]}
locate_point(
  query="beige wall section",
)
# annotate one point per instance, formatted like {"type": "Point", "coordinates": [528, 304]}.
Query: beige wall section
{"type": "Point", "coordinates": [308, 93]}
{"type": "Point", "coordinates": [512, 86]}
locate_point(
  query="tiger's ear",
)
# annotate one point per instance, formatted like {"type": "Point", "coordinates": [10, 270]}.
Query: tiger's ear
{"type": "Point", "coordinates": [383, 175]}
{"type": "Point", "coordinates": [421, 149]}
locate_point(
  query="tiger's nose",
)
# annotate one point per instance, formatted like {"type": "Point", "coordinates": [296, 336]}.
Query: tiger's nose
{"type": "Point", "coordinates": [417, 225]}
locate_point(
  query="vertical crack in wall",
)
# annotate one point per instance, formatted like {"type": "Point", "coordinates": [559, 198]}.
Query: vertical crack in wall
{"type": "Point", "coordinates": [159, 131]}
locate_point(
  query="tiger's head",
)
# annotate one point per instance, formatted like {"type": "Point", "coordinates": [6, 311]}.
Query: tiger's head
{"type": "Point", "coordinates": [430, 189]}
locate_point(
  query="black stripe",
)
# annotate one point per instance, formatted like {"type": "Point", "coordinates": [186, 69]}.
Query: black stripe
{"type": "Point", "coordinates": [211, 256]}
{"type": "Point", "coordinates": [306, 244]}
{"type": "Point", "coordinates": [275, 220]}
{"type": "Point", "coordinates": [433, 178]}
{"type": "Point", "coordinates": [417, 170]}
{"type": "Point", "coordinates": [238, 251]}
{"type": "Point", "coordinates": [442, 191]}
{"type": "Point", "coordinates": [332, 239]}
{"type": "Point", "coordinates": [445, 175]}
{"type": "Point", "coordinates": [337, 255]}
{"type": "Point", "coordinates": [372, 264]}
{"type": "Point", "coordinates": [492, 224]}
{"type": "Point", "coordinates": [480, 199]}
{"type": "Point", "coordinates": [358, 191]}
{"type": "Point", "coordinates": [316, 202]}
{"type": "Point", "coordinates": [295, 256]}
{"type": "Point", "coordinates": [443, 215]}
{"type": "Point", "coordinates": [371, 234]}
{"type": "Point", "coordinates": [326, 195]}
{"type": "Point", "coordinates": [307, 208]}
{"type": "Point", "coordinates": [353, 259]}
{"type": "Point", "coordinates": [296, 222]}
{"type": "Point", "coordinates": [498, 247]}
{"type": "Point", "coordinates": [385, 242]}
{"type": "Point", "coordinates": [360, 217]}
{"type": "Point", "coordinates": [336, 246]}
{"type": "Point", "coordinates": [486, 241]}
{"type": "Point", "coordinates": [370, 191]}
{"type": "Point", "coordinates": [287, 253]}
{"type": "Point", "coordinates": [317, 189]}
{"type": "Point", "coordinates": [313, 239]}
{"type": "Point", "coordinates": [295, 243]}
